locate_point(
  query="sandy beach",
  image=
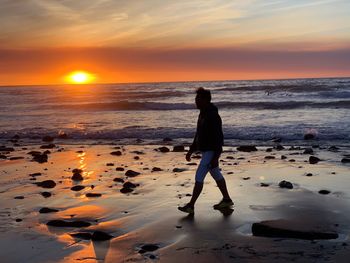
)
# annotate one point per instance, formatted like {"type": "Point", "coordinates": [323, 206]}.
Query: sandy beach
{"type": "Point", "coordinates": [141, 222]}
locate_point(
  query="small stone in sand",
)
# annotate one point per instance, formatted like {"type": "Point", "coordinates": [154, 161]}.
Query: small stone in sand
{"type": "Point", "coordinates": [136, 157]}
{"type": "Point", "coordinates": [93, 195]}
{"type": "Point", "coordinates": [163, 149]}
{"type": "Point", "coordinates": [119, 169]}
{"type": "Point", "coordinates": [279, 147]}
{"type": "Point", "coordinates": [131, 173]}
{"type": "Point", "coordinates": [40, 158]}
{"type": "Point", "coordinates": [324, 192]}
{"type": "Point", "coordinates": [48, 146]}
{"type": "Point", "coordinates": [19, 220]}
{"type": "Point", "coordinates": [269, 157]}
{"type": "Point", "coordinates": [116, 153]}
{"type": "Point", "coordinates": [292, 160]}
{"type": "Point", "coordinates": [247, 148]}
{"type": "Point", "coordinates": [285, 184]}
{"type": "Point", "coordinates": [62, 223]}
{"type": "Point", "coordinates": [46, 194]}
{"type": "Point", "coordinates": [129, 185]}
{"type": "Point", "coordinates": [313, 160]}
{"type": "Point", "coordinates": [126, 190]}
{"type": "Point", "coordinates": [46, 184]}
{"type": "Point", "coordinates": [178, 148]}
{"type": "Point", "coordinates": [77, 188]}
{"type": "Point", "coordinates": [264, 184]}
{"type": "Point", "coordinates": [118, 180]}
{"type": "Point", "coordinates": [35, 174]}
{"type": "Point", "coordinates": [148, 248]}
{"type": "Point", "coordinates": [283, 157]}
{"type": "Point", "coordinates": [156, 169]}
{"type": "Point", "coordinates": [246, 178]}
{"type": "Point", "coordinates": [109, 164]}
{"type": "Point", "coordinates": [19, 197]}
{"type": "Point", "coordinates": [345, 160]}
{"type": "Point", "coordinates": [308, 151]}
{"type": "Point", "coordinates": [46, 210]}
{"type": "Point", "coordinates": [77, 177]}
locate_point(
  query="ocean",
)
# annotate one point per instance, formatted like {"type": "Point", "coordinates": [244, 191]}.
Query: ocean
{"type": "Point", "coordinates": [253, 112]}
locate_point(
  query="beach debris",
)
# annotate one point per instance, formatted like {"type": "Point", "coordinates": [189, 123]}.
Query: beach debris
{"type": "Point", "coordinates": [247, 148]}
{"type": "Point", "coordinates": [46, 210]}
{"type": "Point", "coordinates": [162, 149]}
{"type": "Point", "coordinates": [313, 160]}
{"type": "Point", "coordinates": [285, 184]}
{"type": "Point", "coordinates": [46, 194]}
{"type": "Point", "coordinates": [116, 153]}
{"type": "Point", "coordinates": [288, 229]}
{"type": "Point", "coordinates": [47, 138]}
{"type": "Point", "coordinates": [178, 148]}
{"type": "Point", "coordinates": [93, 195]}
{"type": "Point", "coordinates": [77, 188]}
{"type": "Point", "coordinates": [46, 184]}
{"type": "Point", "coordinates": [118, 180]}
{"type": "Point", "coordinates": [119, 169]}
{"type": "Point", "coordinates": [156, 169]}
{"type": "Point", "coordinates": [324, 192]}
{"type": "Point", "coordinates": [131, 173]}
{"type": "Point", "coordinates": [63, 223]}
{"type": "Point", "coordinates": [345, 160]}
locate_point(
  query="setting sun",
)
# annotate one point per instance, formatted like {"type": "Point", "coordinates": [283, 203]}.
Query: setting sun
{"type": "Point", "coordinates": [80, 77]}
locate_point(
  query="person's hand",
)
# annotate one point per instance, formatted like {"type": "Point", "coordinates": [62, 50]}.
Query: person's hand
{"type": "Point", "coordinates": [214, 162]}
{"type": "Point", "coordinates": [188, 156]}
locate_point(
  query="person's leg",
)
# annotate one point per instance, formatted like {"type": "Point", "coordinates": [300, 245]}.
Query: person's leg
{"type": "Point", "coordinates": [197, 189]}
{"type": "Point", "coordinates": [221, 183]}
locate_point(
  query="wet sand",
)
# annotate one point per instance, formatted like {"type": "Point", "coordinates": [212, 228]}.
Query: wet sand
{"type": "Point", "coordinates": [144, 222]}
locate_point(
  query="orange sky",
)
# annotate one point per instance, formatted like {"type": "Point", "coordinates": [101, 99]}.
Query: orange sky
{"type": "Point", "coordinates": [41, 41]}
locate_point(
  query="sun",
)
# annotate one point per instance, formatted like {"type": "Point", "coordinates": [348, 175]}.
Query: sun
{"type": "Point", "coordinates": [80, 77]}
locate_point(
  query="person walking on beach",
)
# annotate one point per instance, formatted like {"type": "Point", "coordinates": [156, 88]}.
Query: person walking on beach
{"type": "Point", "coordinates": [209, 140]}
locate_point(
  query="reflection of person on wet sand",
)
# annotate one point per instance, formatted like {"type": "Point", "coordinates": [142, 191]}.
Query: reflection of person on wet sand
{"type": "Point", "coordinates": [208, 140]}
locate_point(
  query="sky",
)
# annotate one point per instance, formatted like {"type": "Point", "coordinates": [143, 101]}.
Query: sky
{"type": "Point", "coordinates": [41, 41]}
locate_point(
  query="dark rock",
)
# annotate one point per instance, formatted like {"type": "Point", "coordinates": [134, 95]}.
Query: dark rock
{"type": "Point", "coordinates": [156, 169]}
{"type": "Point", "coordinates": [100, 236]}
{"type": "Point", "coordinates": [131, 173]}
{"type": "Point", "coordinates": [246, 178]}
{"type": "Point", "coordinates": [6, 149]}
{"type": "Point", "coordinates": [46, 184]}
{"type": "Point", "coordinates": [46, 210]}
{"type": "Point", "coordinates": [247, 148]}
{"type": "Point", "coordinates": [309, 174]}
{"type": "Point", "coordinates": [77, 177]}
{"type": "Point", "coordinates": [333, 148]}
{"type": "Point", "coordinates": [313, 160]}
{"type": "Point", "coordinates": [324, 192]}
{"type": "Point", "coordinates": [309, 136]}
{"type": "Point", "coordinates": [178, 170]}
{"type": "Point", "coordinates": [118, 180]}
{"type": "Point", "coordinates": [191, 163]}
{"type": "Point", "coordinates": [48, 146]}
{"type": "Point", "coordinates": [119, 169]}
{"type": "Point", "coordinates": [129, 185]}
{"type": "Point", "coordinates": [268, 150]}
{"type": "Point", "coordinates": [150, 247]}
{"type": "Point", "coordinates": [126, 190]}
{"type": "Point", "coordinates": [3, 156]}
{"type": "Point", "coordinates": [308, 151]}
{"type": "Point", "coordinates": [19, 220]}
{"type": "Point", "coordinates": [93, 195]}
{"type": "Point", "coordinates": [109, 164]}
{"type": "Point", "coordinates": [46, 194]}
{"type": "Point", "coordinates": [345, 160]}
{"type": "Point", "coordinates": [136, 157]}
{"type": "Point", "coordinates": [283, 157]}
{"type": "Point", "coordinates": [77, 188]}
{"type": "Point", "coordinates": [264, 184]}
{"type": "Point", "coordinates": [77, 171]}
{"type": "Point", "coordinates": [116, 153]}
{"type": "Point", "coordinates": [63, 223]}
{"type": "Point", "coordinates": [230, 157]}
{"type": "Point", "coordinates": [286, 229]}
{"type": "Point", "coordinates": [178, 148]}
{"type": "Point", "coordinates": [163, 149]}
{"type": "Point", "coordinates": [279, 147]}
{"type": "Point", "coordinates": [292, 160]}
{"type": "Point", "coordinates": [16, 158]}
{"type": "Point", "coordinates": [269, 157]}
{"type": "Point", "coordinates": [138, 152]}
{"type": "Point", "coordinates": [48, 139]}
{"type": "Point", "coordinates": [285, 184]}
{"type": "Point", "coordinates": [19, 197]}
{"type": "Point", "coordinates": [40, 158]}
{"type": "Point", "coordinates": [35, 174]}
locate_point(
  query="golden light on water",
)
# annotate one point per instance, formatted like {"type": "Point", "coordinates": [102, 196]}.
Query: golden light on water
{"type": "Point", "coordinates": [80, 77]}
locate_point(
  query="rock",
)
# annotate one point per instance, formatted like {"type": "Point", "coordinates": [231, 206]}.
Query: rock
{"type": "Point", "coordinates": [131, 173]}
{"type": "Point", "coordinates": [324, 192]}
{"type": "Point", "coordinates": [63, 223]}
{"type": "Point", "coordinates": [286, 229]}
{"type": "Point", "coordinates": [46, 184]}
{"type": "Point", "coordinates": [246, 178]}
{"type": "Point", "coordinates": [283, 157]}
{"type": "Point", "coordinates": [46, 194]}
{"type": "Point", "coordinates": [77, 188]}
{"type": "Point", "coordinates": [149, 247]}
{"type": "Point", "coordinates": [178, 170]}
{"type": "Point", "coordinates": [77, 177]}
{"type": "Point", "coordinates": [19, 220]}
{"type": "Point", "coordinates": [136, 157]}
{"type": "Point", "coordinates": [264, 184]}
{"type": "Point", "coordinates": [100, 236]}
{"type": "Point", "coordinates": [309, 174]}
{"type": "Point", "coordinates": [230, 157]}
{"type": "Point", "coordinates": [309, 136]}
{"type": "Point", "coordinates": [48, 139]}
{"type": "Point", "coordinates": [308, 151]}
{"type": "Point", "coordinates": [191, 163]}
{"type": "Point", "coordinates": [292, 160]}
{"type": "Point", "coordinates": [93, 195]}
{"type": "Point", "coordinates": [118, 180]}
{"type": "Point", "coordinates": [48, 146]}
{"type": "Point", "coordinates": [116, 153]}
{"type": "Point", "coordinates": [46, 210]}
{"type": "Point", "coordinates": [247, 148]}
{"type": "Point", "coordinates": [16, 158]}
{"type": "Point", "coordinates": [129, 185]}
{"type": "Point", "coordinates": [178, 148]}
{"type": "Point", "coordinates": [6, 149]}
{"type": "Point", "coordinates": [279, 147]}
{"type": "Point", "coordinates": [268, 150]}
{"type": "Point", "coordinates": [163, 149]}
{"type": "Point", "coordinates": [126, 190]}
{"type": "Point", "coordinates": [345, 160]}
{"type": "Point", "coordinates": [156, 169]}
{"type": "Point", "coordinates": [138, 152]}
{"type": "Point", "coordinates": [3, 156]}
{"type": "Point", "coordinates": [269, 157]}
{"type": "Point", "coordinates": [40, 158]}
{"type": "Point", "coordinates": [285, 184]}
{"type": "Point", "coordinates": [119, 169]}
{"type": "Point", "coordinates": [109, 164]}
{"type": "Point", "coordinates": [333, 148]}
{"type": "Point", "coordinates": [19, 197]}
{"type": "Point", "coordinates": [313, 160]}
{"type": "Point", "coordinates": [35, 174]}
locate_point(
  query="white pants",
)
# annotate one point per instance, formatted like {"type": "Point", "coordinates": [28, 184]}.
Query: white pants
{"type": "Point", "coordinates": [204, 168]}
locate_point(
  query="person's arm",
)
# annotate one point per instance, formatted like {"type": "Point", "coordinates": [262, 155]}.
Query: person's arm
{"type": "Point", "coordinates": [192, 148]}
{"type": "Point", "coordinates": [217, 137]}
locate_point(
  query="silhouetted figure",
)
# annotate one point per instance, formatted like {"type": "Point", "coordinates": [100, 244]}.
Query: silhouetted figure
{"type": "Point", "coordinates": [209, 140]}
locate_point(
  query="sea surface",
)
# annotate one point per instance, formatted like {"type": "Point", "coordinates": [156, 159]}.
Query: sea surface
{"type": "Point", "coordinates": [253, 112]}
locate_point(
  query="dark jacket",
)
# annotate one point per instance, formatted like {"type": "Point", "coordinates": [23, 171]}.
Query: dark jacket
{"type": "Point", "coordinates": [209, 135]}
